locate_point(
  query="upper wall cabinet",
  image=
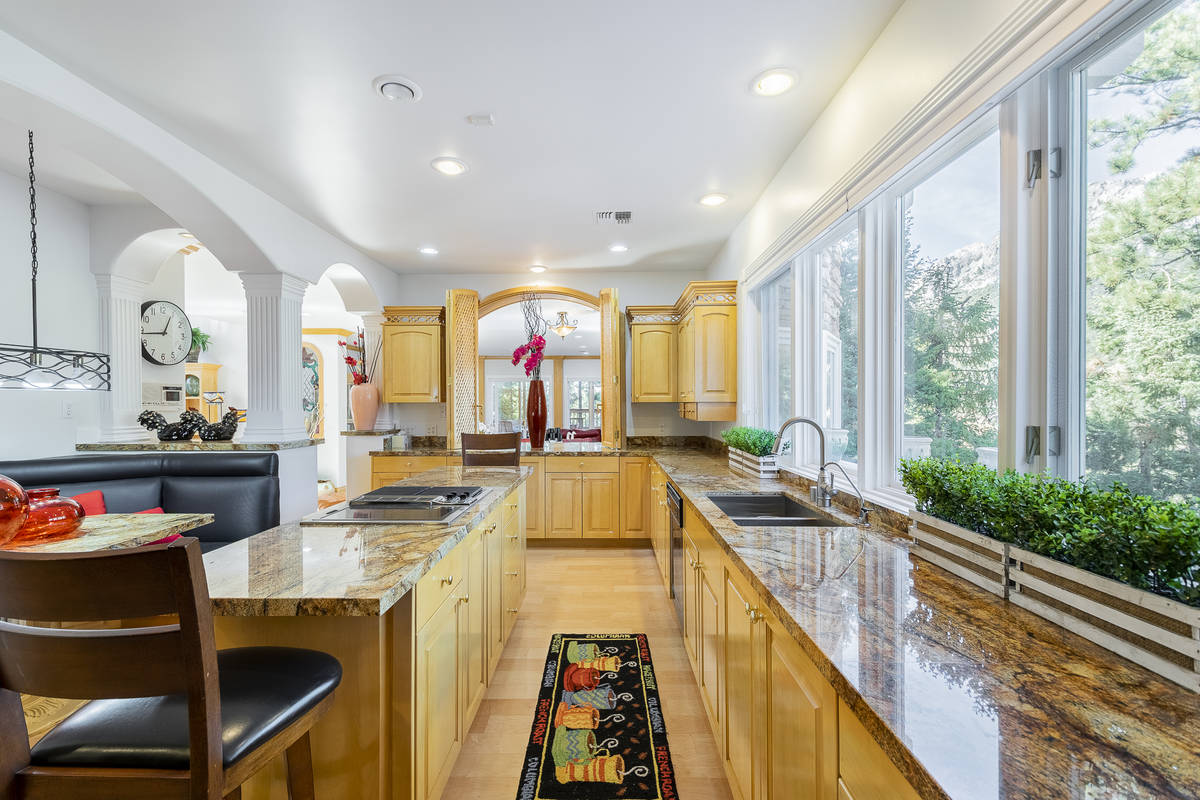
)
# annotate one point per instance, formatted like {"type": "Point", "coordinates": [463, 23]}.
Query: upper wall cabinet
{"type": "Point", "coordinates": [413, 354]}
{"type": "Point", "coordinates": [687, 353]}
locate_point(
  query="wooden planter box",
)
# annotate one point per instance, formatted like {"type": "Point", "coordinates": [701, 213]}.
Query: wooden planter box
{"type": "Point", "coordinates": [1156, 632]}
{"type": "Point", "coordinates": [753, 466]}
{"type": "Point", "coordinates": [1159, 633]}
{"type": "Point", "coordinates": [969, 555]}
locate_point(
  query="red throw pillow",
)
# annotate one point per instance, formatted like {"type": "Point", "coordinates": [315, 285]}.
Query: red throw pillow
{"type": "Point", "coordinates": [92, 502]}
{"type": "Point", "coordinates": [165, 539]}
{"type": "Point", "coordinates": [155, 510]}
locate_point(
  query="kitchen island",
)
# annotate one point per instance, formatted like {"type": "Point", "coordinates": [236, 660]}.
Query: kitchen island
{"type": "Point", "coordinates": [416, 613]}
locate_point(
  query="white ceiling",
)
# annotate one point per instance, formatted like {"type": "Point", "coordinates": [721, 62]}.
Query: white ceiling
{"type": "Point", "coordinates": [503, 330]}
{"type": "Point", "coordinates": [598, 106]}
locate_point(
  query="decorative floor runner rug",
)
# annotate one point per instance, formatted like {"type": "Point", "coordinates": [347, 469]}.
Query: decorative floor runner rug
{"type": "Point", "coordinates": [598, 730]}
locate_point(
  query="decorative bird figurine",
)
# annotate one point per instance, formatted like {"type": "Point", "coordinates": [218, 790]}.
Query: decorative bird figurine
{"type": "Point", "coordinates": [189, 423]}
{"type": "Point", "coordinates": [221, 431]}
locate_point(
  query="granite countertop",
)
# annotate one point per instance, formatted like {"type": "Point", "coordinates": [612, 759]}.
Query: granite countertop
{"type": "Point", "coordinates": [972, 697]}
{"type": "Point", "coordinates": [387, 432]}
{"type": "Point", "coordinates": [115, 531]}
{"type": "Point", "coordinates": [195, 445]}
{"type": "Point", "coordinates": [346, 570]}
{"type": "Point", "coordinates": [551, 449]}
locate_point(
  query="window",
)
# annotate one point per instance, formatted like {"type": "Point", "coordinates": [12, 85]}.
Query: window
{"type": "Point", "coordinates": [775, 307]}
{"type": "Point", "coordinates": [509, 401]}
{"type": "Point", "coordinates": [950, 270]}
{"type": "Point", "coordinates": [1140, 165]}
{"type": "Point", "coordinates": [583, 397]}
{"type": "Point", "coordinates": [837, 272]}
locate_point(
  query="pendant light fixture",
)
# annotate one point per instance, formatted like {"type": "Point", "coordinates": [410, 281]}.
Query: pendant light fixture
{"type": "Point", "coordinates": [37, 367]}
{"type": "Point", "coordinates": [562, 326]}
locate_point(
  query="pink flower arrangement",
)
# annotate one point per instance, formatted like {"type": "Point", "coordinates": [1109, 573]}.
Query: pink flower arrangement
{"type": "Point", "coordinates": [532, 353]}
{"type": "Point", "coordinates": [358, 369]}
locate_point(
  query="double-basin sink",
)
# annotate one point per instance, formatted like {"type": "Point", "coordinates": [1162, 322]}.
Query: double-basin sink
{"type": "Point", "coordinates": [774, 509]}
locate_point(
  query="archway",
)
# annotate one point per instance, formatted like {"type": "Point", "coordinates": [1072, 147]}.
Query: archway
{"type": "Point", "coordinates": [507, 297]}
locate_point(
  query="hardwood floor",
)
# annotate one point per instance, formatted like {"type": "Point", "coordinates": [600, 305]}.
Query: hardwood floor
{"type": "Point", "coordinates": [575, 590]}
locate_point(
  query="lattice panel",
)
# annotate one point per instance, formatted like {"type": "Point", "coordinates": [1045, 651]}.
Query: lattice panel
{"type": "Point", "coordinates": [462, 363]}
{"type": "Point", "coordinates": [612, 359]}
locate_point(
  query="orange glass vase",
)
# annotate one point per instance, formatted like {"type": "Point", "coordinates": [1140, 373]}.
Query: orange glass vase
{"type": "Point", "coordinates": [14, 508]}
{"type": "Point", "coordinates": [50, 515]}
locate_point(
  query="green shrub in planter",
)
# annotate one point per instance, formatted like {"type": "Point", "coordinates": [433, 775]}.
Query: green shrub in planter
{"type": "Point", "coordinates": [755, 441]}
{"type": "Point", "coordinates": [1140, 541]}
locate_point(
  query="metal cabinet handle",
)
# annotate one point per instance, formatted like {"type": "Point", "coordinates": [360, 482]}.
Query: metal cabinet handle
{"type": "Point", "coordinates": [514, 574]}
{"type": "Point", "coordinates": [512, 611]}
{"type": "Point", "coordinates": [692, 563]}
{"type": "Point", "coordinates": [513, 538]}
{"type": "Point", "coordinates": [755, 616]}
{"type": "Point", "coordinates": [466, 598]}
{"type": "Point", "coordinates": [448, 579]}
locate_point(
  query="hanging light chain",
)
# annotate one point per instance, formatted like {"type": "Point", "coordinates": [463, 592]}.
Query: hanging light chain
{"type": "Point", "coordinates": [32, 212]}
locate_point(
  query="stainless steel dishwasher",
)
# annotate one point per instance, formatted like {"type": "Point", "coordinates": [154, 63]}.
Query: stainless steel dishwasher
{"type": "Point", "coordinates": [675, 506]}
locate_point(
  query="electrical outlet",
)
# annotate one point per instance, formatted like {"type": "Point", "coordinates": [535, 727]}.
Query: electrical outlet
{"type": "Point", "coordinates": [431, 430]}
{"type": "Point", "coordinates": [68, 409]}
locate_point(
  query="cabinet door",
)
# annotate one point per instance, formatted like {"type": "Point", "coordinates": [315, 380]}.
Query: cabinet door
{"type": "Point", "coordinates": [635, 498]}
{"type": "Point", "coordinates": [691, 608]}
{"type": "Point", "coordinates": [535, 520]}
{"type": "Point", "coordinates": [492, 538]}
{"type": "Point", "coordinates": [655, 364]}
{"type": "Point", "coordinates": [738, 690]}
{"type": "Point", "coordinates": [564, 507]}
{"type": "Point", "coordinates": [715, 355]}
{"type": "Point", "coordinates": [412, 363]}
{"type": "Point", "coordinates": [601, 506]}
{"type": "Point", "coordinates": [866, 772]}
{"type": "Point", "coordinates": [799, 737]}
{"type": "Point", "coordinates": [473, 598]}
{"type": "Point", "coordinates": [438, 700]}
{"type": "Point", "coordinates": [381, 479]}
{"type": "Point", "coordinates": [687, 358]}
{"type": "Point", "coordinates": [708, 636]}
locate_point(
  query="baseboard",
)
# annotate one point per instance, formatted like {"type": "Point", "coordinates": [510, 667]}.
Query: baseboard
{"type": "Point", "coordinates": [631, 544]}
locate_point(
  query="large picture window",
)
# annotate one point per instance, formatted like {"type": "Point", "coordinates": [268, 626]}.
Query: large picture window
{"type": "Point", "coordinates": [1141, 283]}
{"type": "Point", "coordinates": [950, 269]}
{"type": "Point", "coordinates": [837, 272]}
{"type": "Point", "coordinates": [775, 300]}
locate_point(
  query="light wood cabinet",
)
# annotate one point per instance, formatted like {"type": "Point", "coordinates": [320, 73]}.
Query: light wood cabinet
{"type": "Point", "coordinates": [691, 601]}
{"type": "Point", "coordinates": [493, 543]}
{"type": "Point", "coordinates": [473, 598]}
{"type": "Point", "coordinates": [203, 380]}
{"type": "Point", "coordinates": [635, 498]}
{"type": "Point", "coordinates": [660, 530]}
{"type": "Point", "coordinates": [412, 359]}
{"type": "Point", "coordinates": [601, 506]}
{"type": "Point", "coordinates": [564, 505]}
{"type": "Point", "coordinates": [535, 519]}
{"type": "Point", "coordinates": [386, 470]}
{"type": "Point", "coordinates": [439, 699]}
{"type": "Point", "coordinates": [655, 363]}
{"type": "Point", "coordinates": [702, 344]}
{"type": "Point", "coordinates": [709, 643]}
{"type": "Point", "coordinates": [864, 770]}
{"type": "Point", "coordinates": [738, 692]}
{"type": "Point", "coordinates": [797, 735]}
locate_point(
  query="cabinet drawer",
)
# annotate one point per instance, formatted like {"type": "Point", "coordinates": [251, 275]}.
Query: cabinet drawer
{"type": "Point", "coordinates": [439, 583]}
{"type": "Point", "coordinates": [381, 479]}
{"type": "Point", "coordinates": [583, 464]}
{"type": "Point", "coordinates": [409, 464]}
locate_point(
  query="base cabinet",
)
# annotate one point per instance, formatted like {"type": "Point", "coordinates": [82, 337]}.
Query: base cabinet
{"type": "Point", "coordinates": [738, 693]}
{"type": "Point", "coordinates": [439, 721]}
{"type": "Point", "coordinates": [636, 502]}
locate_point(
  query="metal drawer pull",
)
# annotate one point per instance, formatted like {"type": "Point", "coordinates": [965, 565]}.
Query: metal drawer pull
{"type": "Point", "coordinates": [466, 598]}
{"type": "Point", "coordinates": [447, 580]}
{"type": "Point", "coordinates": [514, 574]}
{"type": "Point", "coordinates": [512, 611]}
{"type": "Point", "coordinates": [513, 538]}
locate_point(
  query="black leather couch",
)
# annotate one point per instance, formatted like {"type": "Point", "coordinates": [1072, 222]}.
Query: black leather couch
{"type": "Point", "coordinates": [241, 489]}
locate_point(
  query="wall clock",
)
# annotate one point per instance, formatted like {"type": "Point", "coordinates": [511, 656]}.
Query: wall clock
{"type": "Point", "coordinates": [166, 332]}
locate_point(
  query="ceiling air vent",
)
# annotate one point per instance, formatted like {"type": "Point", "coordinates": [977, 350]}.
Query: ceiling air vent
{"type": "Point", "coordinates": [614, 217]}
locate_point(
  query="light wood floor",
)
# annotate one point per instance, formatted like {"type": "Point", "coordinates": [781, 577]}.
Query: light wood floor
{"type": "Point", "coordinates": [574, 590]}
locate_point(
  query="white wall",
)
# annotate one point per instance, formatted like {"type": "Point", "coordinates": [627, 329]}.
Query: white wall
{"type": "Point", "coordinates": [168, 284]}
{"type": "Point", "coordinates": [215, 302]}
{"type": "Point", "coordinates": [33, 422]}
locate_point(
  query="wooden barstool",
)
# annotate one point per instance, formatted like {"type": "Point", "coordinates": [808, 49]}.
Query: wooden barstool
{"type": "Point", "coordinates": [170, 717]}
{"type": "Point", "coordinates": [491, 449]}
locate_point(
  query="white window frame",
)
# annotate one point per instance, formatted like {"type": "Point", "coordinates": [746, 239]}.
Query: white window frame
{"type": "Point", "coordinates": [764, 317]}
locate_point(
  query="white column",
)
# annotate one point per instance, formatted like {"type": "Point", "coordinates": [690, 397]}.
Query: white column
{"type": "Point", "coordinates": [273, 334]}
{"type": "Point", "coordinates": [373, 333]}
{"type": "Point", "coordinates": [120, 337]}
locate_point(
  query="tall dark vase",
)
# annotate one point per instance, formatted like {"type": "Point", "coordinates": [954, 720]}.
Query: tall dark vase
{"type": "Point", "coordinates": [535, 414]}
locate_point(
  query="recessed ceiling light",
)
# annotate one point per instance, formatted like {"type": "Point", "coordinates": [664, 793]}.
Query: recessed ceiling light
{"type": "Point", "coordinates": [537, 268]}
{"type": "Point", "coordinates": [583, 347]}
{"type": "Point", "coordinates": [187, 235]}
{"type": "Point", "coordinates": [397, 87]}
{"type": "Point", "coordinates": [618, 248]}
{"type": "Point", "coordinates": [713, 199]}
{"type": "Point", "coordinates": [773, 82]}
{"type": "Point", "coordinates": [449, 166]}
{"type": "Point", "coordinates": [579, 336]}
{"type": "Point", "coordinates": [429, 251]}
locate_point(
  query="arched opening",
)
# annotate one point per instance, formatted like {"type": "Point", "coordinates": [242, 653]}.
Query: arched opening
{"type": "Point", "coordinates": [571, 370]}
{"type": "Point", "coordinates": [507, 297]}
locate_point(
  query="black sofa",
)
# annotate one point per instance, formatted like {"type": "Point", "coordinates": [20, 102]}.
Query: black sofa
{"type": "Point", "coordinates": [240, 489]}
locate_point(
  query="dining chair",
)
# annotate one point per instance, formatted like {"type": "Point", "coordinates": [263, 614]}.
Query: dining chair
{"type": "Point", "coordinates": [170, 715]}
{"type": "Point", "coordinates": [491, 449]}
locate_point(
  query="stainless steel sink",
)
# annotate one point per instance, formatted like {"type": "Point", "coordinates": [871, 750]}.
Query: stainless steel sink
{"type": "Point", "coordinates": [759, 510]}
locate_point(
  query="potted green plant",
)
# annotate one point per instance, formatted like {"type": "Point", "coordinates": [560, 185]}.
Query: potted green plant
{"type": "Point", "coordinates": [1120, 569]}
{"type": "Point", "coordinates": [200, 341]}
{"type": "Point", "coordinates": [751, 451]}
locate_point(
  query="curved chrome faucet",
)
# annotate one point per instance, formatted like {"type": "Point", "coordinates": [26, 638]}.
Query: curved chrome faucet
{"type": "Point", "coordinates": [821, 493]}
{"type": "Point", "coordinates": [863, 508]}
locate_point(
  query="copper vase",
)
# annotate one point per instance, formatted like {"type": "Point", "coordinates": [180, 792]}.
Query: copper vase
{"type": "Point", "coordinates": [50, 515]}
{"type": "Point", "coordinates": [535, 414]}
{"type": "Point", "coordinates": [14, 508]}
{"type": "Point", "coordinates": [364, 406]}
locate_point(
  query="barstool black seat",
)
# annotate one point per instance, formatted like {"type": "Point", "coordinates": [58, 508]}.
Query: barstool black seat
{"type": "Point", "coordinates": [263, 691]}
